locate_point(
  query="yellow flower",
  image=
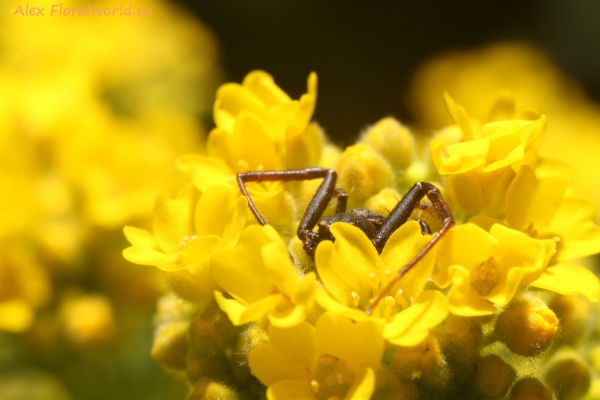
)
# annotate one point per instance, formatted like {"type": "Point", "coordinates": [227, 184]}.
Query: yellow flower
{"type": "Point", "coordinates": [354, 274]}
{"type": "Point", "coordinates": [188, 230]}
{"type": "Point", "coordinates": [478, 160]}
{"type": "Point", "coordinates": [336, 359]}
{"type": "Point", "coordinates": [258, 128]}
{"type": "Point", "coordinates": [488, 268]}
{"type": "Point", "coordinates": [259, 276]}
{"type": "Point", "coordinates": [543, 208]}
{"type": "Point", "coordinates": [474, 76]}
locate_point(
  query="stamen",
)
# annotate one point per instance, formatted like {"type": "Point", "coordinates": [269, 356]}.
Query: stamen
{"type": "Point", "coordinates": [355, 299]}
{"type": "Point", "coordinates": [330, 381]}
{"type": "Point", "coordinates": [374, 282]}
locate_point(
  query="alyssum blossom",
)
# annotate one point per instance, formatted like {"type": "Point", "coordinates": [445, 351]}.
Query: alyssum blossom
{"type": "Point", "coordinates": [288, 326]}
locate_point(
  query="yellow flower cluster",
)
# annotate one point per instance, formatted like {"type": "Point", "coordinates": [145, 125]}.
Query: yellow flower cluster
{"type": "Point", "coordinates": [76, 96]}
{"type": "Point", "coordinates": [254, 306]}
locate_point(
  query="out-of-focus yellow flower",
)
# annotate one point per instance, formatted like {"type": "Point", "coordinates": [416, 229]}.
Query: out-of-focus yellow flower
{"type": "Point", "coordinates": [477, 159]}
{"type": "Point", "coordinates": [334, 359]}
{"type": "Point", "coordinates": [488, 268]}
{"type": "Point", "coordinates": [473, 77]}
{"type": "Point", "coordinates": [353, 274]}
{"type": "Point", "coordinates": [24, 286]}
{"type": "Point", "coordinates": [259, 276]}
{"type": "Point", "coordinates": [188, 230]}
{"type": "Point", "coordinates": [88, 319]}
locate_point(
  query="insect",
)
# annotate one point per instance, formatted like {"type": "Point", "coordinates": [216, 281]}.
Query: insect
{"type": "Point", "coordinates": [377, 227]}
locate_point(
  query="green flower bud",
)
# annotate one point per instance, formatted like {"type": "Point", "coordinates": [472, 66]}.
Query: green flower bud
{"type": "Point", "coordinates": [189, 286]}
{"type": "Point", "coordinates": [389, 387]}
{"type": "Point", "coordinates": [362, 172]}
{"type": "Point", "coordinates": [530, 389]}
{"type": "Point", "coordinates": [171, 344]}
{"type": "Point", "coordinates": [393, 141]}
{"type": "Point", "coordinates": [200, 366]}
{"type": "Point", "coordinates": [251, 337]}
{"type": "Point", "coordinates": [211, 390]}
{"type": "Point", "coordinates": [424, 363]}
{"type": "Point", "coordinates": [461, 338]}
{"type": "Point", "coordinates": [568, 375]}
{"type": "Point", "coordinates": [527, 327]}
{"type": "Point", "coordinates": [573, 313]}
{"type": "Point", "coordinates": [493, 377]}
{"type": "Point", "coordinates": [212, 331]}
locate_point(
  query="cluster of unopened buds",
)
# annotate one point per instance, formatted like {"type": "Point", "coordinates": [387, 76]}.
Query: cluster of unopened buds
{"type": "Point", "coordinates": [403, 267]}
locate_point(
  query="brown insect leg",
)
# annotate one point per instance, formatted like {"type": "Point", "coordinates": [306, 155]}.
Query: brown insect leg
{"type": "Point", "coordinates": [399, 216]}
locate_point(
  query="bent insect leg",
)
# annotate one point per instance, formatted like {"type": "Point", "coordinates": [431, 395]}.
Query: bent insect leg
{"type": "Point", "coordinates": [316, 207]}
{"type": "Point", "coordinates": [399, 216]}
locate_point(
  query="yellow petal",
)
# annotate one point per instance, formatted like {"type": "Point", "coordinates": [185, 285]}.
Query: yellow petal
{"type": "Point", "coordinates": [574, 225]}
{"type": "Point", "coordinates": [232, 99]}
{"type": "Point", "coordinates": [411, 326]}
{"type": "Point", "coordinates": [363, 385]}
{"type": "Point", "coordinates": [145, 256]}
{"type": "Point", "coordinates": [174, 219]}
{"type": "Point", "coordinates": [460, 117]}
{"type": "Point", "coordinates": [206, 172]}
{"type": "Point", "coordinates": [570, 279]}
{"type": "Point", "coordinates": [345, 265]}
{"type": "Point", "coordinates": [221, 211]}
{"type": "Point", "coordinates": [140, 237]}
{"type": "Point", "coordinates": [278, 268]}
{"type": "Point", "coordinates": [330, 304]}
{"type": "Point", "coordinates": [532, 202]}
{"type": "Point", "coordinates": [288, 318]}
{"type": "Point", "coordinates": [298, 343]}
{"type": "Point", "coordinates": [463, 299]}
{"type": "Point", "coordinates": [290, 390]}
{"type": "Point", "coordinates": [522, 261]}
{"type": "Point", "coordinates": [270, 365]}
{"type": "Point", "coordinates": [467, 245]}
{"type": "Point", "coordinates": [262, 85]}
{"type": "Point", "coordinates": [360, 344]}
{"type": "Point", "coordinates": [402, 246]}
{"type": "Point", "coordinates": [240, 313]}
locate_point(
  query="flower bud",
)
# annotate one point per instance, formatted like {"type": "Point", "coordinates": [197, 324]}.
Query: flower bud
{"type": "Point", "coordinates": [389, 387]}
{"type": "Point", "coordinates": [189, 286]}
{"type": "Point", "coordinates": [384, 201]}
{"type": "Point", "coordinates": [493, 377]}
{"type": "Point", "coordinates": [527, 328]}
{"type": "Point", "coordinates": [171, 344]}
{"type": "Point", "coordinates": [200, 366]}
{"type": "Point", "coordinates": [573, 313]}
{"type": "Point", "coordinates": [211, 331]}
{"type": "Point", "coordinates": [424, 362]}
{"type": "Point", "coordinates": [568, 375]}
{"type": "Point", "coordinates": [251, 337]}
{"type": "Point", "coordinates": [393, 141]}
{"type": "Point", "coordinates": [530, 389]}
{"type": "Point", "coordinates": [461, 339]}
{"type": "Point", "coordinates": [210, 390]}
{"type": "Point", "coordinates": [362, 172]}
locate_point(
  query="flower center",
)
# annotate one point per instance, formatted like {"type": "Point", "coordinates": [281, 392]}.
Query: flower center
{"type": "Point", "coordinates": [332, 378]}
{"type": "Point", "coordinates": [485, 277]}
{"type": "Point", "coordinates": [390, 305]}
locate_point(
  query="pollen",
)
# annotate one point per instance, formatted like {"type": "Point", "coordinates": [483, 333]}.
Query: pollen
{"type": "Point", "coordinates": [314, 385]}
